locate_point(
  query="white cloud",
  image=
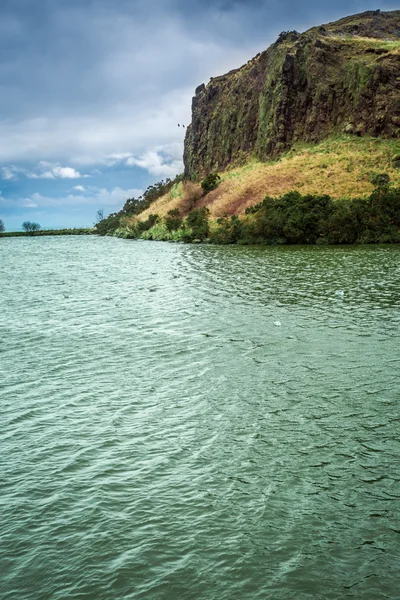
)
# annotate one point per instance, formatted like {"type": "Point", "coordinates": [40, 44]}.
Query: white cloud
{"type": "Point", "coordinates": [44, 170]}
{"type": "Point", "coordinates": [162, 161]}
{"type": "Point", "coordinates": [106, 138]}
{"type": "Point", "coordinates": [115, 158]}
{"type": "Point", "coordinates": [155, 164]}
{"type": "Point", "coordinates": [66, 173]}
{"type": "Point", "coordinates": [55, 172]}
{"type": "Point", "coordinates": [112, 199]}
{"type": "Point", "coordinates": [44, 175]}
{"type": "Point", "coordinates": [9, 173]}
{"type": "Point", "coordinates": [79, 188]}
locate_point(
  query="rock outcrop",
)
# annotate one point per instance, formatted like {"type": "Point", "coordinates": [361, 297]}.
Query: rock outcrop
{"type": "Point", "coordinates": [342, 77]}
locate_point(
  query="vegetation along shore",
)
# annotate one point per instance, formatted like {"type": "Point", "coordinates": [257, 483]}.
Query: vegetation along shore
{"type": "Point", "coordinates": [42, 232]}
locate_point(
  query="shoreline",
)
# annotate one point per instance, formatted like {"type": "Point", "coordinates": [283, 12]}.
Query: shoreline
{"type": "Point", "coordinates": [48, 232]}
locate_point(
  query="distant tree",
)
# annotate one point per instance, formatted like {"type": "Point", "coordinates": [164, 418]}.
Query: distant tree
{"type": "Point", "coordinates": [2, 227]}
{"type": "Point", "coordinates": [30, 227]}
{"type": "Point", "coordinates": [100, 216]}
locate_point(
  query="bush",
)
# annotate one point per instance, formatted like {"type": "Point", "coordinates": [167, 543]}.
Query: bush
{"type": "Point", "coordinates": [380, 180]}
{"type": "Point", "coordinates": [343, 224]}
{"type": "Point", "coordinates": [228, 231]}
{"type": "Point", "coordinates": [173, 220]}
{"type": "Point", "coordinates": [108, 225]}
{"type": "Point", "coordinates": [291, 219]}
{"type": "Point", "coordinates": [142, 226]}
{"type": "Point", "coordinates": [197, 223]}
{"type": "Point", "coordinates": [211, 182]}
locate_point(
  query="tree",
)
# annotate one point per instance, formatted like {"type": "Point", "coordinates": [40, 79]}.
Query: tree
{"type": "Point", "coordinates": [100, 216]}
{"type": "Point", "coordinates": [2, 227]}
{"type": "Point", "coordinates": [30, 227]}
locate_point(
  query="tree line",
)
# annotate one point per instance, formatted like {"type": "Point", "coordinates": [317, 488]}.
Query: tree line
{"type": "Point", "coordinates": [134, 206]}
{"type": "Point", "coordinates": [292, 218]}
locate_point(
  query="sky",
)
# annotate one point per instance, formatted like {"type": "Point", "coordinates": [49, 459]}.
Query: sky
{"type": "Point", "coordinates": [92, 92]}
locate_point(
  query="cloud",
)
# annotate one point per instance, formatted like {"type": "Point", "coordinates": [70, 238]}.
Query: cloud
{"type": "Point", "coordinates": [156, 165]}
{"type": "Point", "coordinates": [112, 199]}
{"type": "Point", "coordinates": [132, 92]}
{"type": "Point", "coordinates": [55, 172]}
{"type": "Point", "coordinates": [27, 203]}
{"type": "Point", "coordinates": [65, 172]}
{"type": "Point", "coordinates": [44, 170]}
{"type": "Point", "coordinates": [79, 188]}
{"type": "Point", "coordinates": [9, 173]}
{"type": "Point", "coordinates": [85, 140]}
{"type": "Point", "coordinates": [161, 161]}
{"type": "Point", "coordinates": [87, 202]}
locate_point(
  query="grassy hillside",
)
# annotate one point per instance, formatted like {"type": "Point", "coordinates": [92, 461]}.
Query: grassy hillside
{"type": "Point", "coordinates": [341, 167]}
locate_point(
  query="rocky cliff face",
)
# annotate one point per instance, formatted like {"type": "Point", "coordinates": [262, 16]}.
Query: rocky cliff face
{"type": "Point", "coordinates": [341, 77]}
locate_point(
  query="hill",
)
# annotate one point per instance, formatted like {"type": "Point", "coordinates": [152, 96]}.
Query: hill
{"type": "Point", "coordinates": [317, 114]}
{"type": "Point", "coordinates": [340, 77]}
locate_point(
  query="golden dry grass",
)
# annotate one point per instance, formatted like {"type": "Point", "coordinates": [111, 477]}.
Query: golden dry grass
{"type": "Point", "coordinates": [339, 167]}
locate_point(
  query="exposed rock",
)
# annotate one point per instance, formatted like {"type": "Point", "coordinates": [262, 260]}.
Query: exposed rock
{"type": "Point", "coordinates": [304, 87]}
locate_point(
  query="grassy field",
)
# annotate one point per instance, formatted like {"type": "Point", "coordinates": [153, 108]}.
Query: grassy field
{"type": "Point", "coordinates": [340, 166]}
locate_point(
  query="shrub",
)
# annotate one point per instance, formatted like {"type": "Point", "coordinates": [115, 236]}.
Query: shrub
{"type": "Point", "coordinates": [157, 232]}
{"type": "Point", "coordinates": [380, 180]}
{"type": "Point", "coordinates": [343, 224]}
{"type": "Point", "coordinates": [291, 219]}
{"type": "Point", "coordinates": [142, 226]}
{"type": "Point", "coordinates": [108, 224]}
{"type": "Point", "coordinates": [228, 231]}
{"type": "Point", "coordinates": [197, 223]}
{"type": "Point", "coordinates": [210, 182]}
{"type": "Point", "coordinates": [173, 220]}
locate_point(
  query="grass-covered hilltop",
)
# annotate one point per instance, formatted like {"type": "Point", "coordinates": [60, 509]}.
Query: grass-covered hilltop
{"type": "Point", "coordinates": [300, 145]}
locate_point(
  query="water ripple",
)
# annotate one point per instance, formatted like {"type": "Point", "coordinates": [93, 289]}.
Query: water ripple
{"type": "Point", "coordinates": [162, 437]}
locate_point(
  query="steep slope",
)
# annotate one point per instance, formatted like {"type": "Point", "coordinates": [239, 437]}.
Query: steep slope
{"type": "Point", "coordinates": [341, 77]}
{"type": "Point", "coordinates": [342, 167]}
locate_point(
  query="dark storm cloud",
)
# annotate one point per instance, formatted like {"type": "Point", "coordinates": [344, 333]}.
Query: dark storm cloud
{"type": "Point", "coordinates": [78, 55]}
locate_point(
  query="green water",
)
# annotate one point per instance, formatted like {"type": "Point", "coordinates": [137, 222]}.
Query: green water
{"type": "Point", "coordinates": [198, 422]}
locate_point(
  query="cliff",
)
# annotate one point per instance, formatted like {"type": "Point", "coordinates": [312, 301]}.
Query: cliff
{"type": "Point", "coordinates": [340, 77]}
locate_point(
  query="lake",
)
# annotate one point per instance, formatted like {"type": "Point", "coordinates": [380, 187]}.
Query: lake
{"type": "Point", "coordinates": [196, 422]}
